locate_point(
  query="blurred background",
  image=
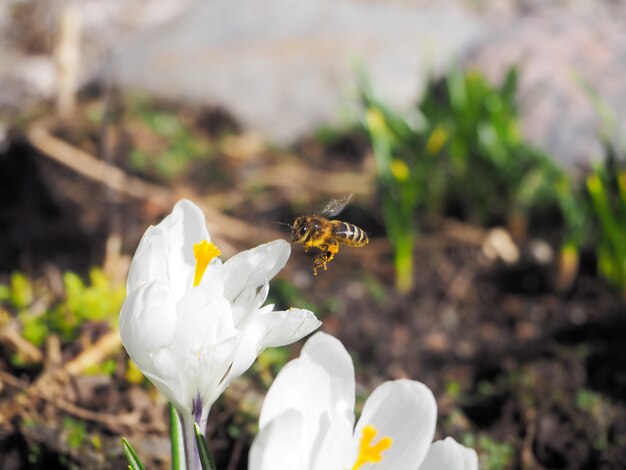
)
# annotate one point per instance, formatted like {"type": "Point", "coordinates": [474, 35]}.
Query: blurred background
{"type": "Point", "coordinates": [482, 141]}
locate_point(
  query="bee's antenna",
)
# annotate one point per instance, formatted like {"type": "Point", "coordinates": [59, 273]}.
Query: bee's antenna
{"type": "Point", "coordinates": [284, 224]}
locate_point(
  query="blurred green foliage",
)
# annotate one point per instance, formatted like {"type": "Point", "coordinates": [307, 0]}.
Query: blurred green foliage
{"type": "Point", "coordinates": [599, 409]}
{"type": "Point", "coordinates": [174, 145]}
{"type": "Point", "coordinates": [284, 295]}
{"type": "Point", "coordinates": [493, 455]}
{"type": "Point", "coordinates": [403, 183]}
{"type": "Point", "coordinates": [269, 363]}
{"type": "Point", "coordinates": [19, 291]}
{"type": "Point", "coordinates": [106, 367]}
{"type": "Point", "coordinates": [461, 148]}
{"type": "Point", "coordinates": [39, 314]}
{"type": "Point", "coordinates": [606, 190]}
{"type": "Point", "coordinates": [490, 172]}
{"type": "Point", "coordinates": [74, 431]}
{"type": "Point", "coordinates": [606, 187]}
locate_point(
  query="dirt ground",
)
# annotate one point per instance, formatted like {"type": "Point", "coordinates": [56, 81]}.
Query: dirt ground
{"type": "Point", "coordinates": [531, 377]}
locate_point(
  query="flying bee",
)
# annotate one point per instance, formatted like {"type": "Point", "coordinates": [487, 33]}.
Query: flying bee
{"type": "Point", "coordinates": [315, 231]}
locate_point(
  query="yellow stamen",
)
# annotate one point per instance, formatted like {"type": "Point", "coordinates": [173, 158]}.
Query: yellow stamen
{"type": "Point", "coordinates": [204, 252]}
{"type": "Point", "coordinates": [369, 453]}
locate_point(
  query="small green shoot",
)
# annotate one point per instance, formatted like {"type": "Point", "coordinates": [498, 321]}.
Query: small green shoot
{"type": "Point", "coordinates": [134, 463]}
{"type": "Point", "coordinates": [75, 432]}
{"type": "Point", "coordinates": [206, 460]}
{"type": "Point", "coordinates": [606, 186]}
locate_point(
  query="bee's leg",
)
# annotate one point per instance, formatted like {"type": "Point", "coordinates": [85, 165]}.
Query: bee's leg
{"type": "Point", "coordinates": [319, 261]}
{"type": "Point", "coordinates": [328, 253]}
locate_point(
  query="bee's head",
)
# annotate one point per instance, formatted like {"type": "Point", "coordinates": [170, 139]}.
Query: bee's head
{"type": "Point", "coordinates": [300, 230]}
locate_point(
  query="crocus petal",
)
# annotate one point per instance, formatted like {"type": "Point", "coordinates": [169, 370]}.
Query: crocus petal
{"type": "Point", "coordinates": [405, 411]}
{"type": "Point", "coordinates": [333, 447]}
{"type": "Point", "coordinates": [147, 322]}
{"type": "Point", "coordinates": [247, 274]}
{"type": "Point", "coordinates": [166, 250]}
{"type": "Point", "coordinates": [314, 383]}
{"type": "Point", "coordinates": [286, 327]}
{"type": "Point", "coordinates": [276, 447]}
{"type": "Point", "coordinates": [450, 455]}
{"type": "Point", "coordinates": [320, 386]}
{"type": "Point", "coordinates": [148, 264]}
{"type": "Point", "coordinates": [269, 329]}
{"type": "Point", "coordinates": [205, 342]}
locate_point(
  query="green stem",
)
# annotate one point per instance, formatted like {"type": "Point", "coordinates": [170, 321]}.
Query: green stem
{"type": "Point", "coordinates": [404, 264]}
{"type": "Point", "coordinates": [176, 440]}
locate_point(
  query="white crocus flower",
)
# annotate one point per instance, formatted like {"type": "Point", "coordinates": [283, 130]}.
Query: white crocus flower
{"type": "Point", "coordinates": [192, 323]}
{"type": "Point", "coordinates": [307, 420]}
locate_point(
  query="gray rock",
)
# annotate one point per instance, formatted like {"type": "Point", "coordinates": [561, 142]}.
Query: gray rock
{"type": "Point", "coordinates": [286, 67]}
{"type": "Point", "coordinates": [28, 71]}
{"type": "Point", "coordinates": [559, 52]}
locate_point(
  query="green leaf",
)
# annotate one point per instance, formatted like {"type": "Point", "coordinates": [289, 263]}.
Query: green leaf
{"type": "Point", "coordinates": [133, 459]}
{"type": "Point", "coordinates": [205, 456]}
{"type": "Point", "coordinates": [176, 439]}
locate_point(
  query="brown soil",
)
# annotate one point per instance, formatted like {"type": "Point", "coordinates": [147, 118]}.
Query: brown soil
{"type": "Point", "coordinates": [506, 356]}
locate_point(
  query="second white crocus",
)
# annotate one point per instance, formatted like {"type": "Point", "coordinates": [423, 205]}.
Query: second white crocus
{"type": "Point", "coordinates": [192, 323]}
{"type": "Point", "coordinates": [307, 420]}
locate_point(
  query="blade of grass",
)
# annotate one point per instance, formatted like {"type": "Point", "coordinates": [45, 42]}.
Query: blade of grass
{"type": "Point", "coordinates": [205, 456]}
{"type": "Point", "coordinates": [134, 463]}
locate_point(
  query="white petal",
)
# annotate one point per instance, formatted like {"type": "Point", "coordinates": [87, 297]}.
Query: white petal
{"type": "Point", "coordinates": [450, 455]}
{"type": "Point", "coordinates": [282, 328]}
{"type": "Point", "coordinates": [149, 262]}
{"type": "Point", "coordinates": [205, 341]}
{"type": "Point", "coordinates": [269, 329]}
{"type": "Point", "coordinates": [165, 375]}
{"type": "Point", "coordinates": [335, 447]}
{"type": "Point", "coordinates": [277, 446]}
{"type": "Point", "coordinates": [406, 411]}
{"type": "Point", "coordinates": [327, 351]}
{"type": "Point", "coordinates": [147, 322]}
{"type": "Point", "coordinates": [166, 250]}
{"type": "Point", "coordinates": [205, 316]}
{"type": "Point", "coordinates": [320, 385]}
{"type": "Point", "coordinates": [247, 274]}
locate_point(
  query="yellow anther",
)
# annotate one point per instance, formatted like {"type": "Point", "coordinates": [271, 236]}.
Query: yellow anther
{"type": "Point", "coordinates": [369, 453]}
{"type": "Point", "coordinates": [204, 252]}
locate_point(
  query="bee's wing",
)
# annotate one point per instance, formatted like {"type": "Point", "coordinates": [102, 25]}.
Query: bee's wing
{"type": "Point", "coordinates": [336, 205]}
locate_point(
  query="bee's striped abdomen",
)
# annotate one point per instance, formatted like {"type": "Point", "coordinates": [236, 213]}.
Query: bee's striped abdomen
{"type": "Point", "coordinates": [350, 234]}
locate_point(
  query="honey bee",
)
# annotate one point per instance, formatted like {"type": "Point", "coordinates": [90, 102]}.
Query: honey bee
{"type": "Point", "coordinates": [315, 231]}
